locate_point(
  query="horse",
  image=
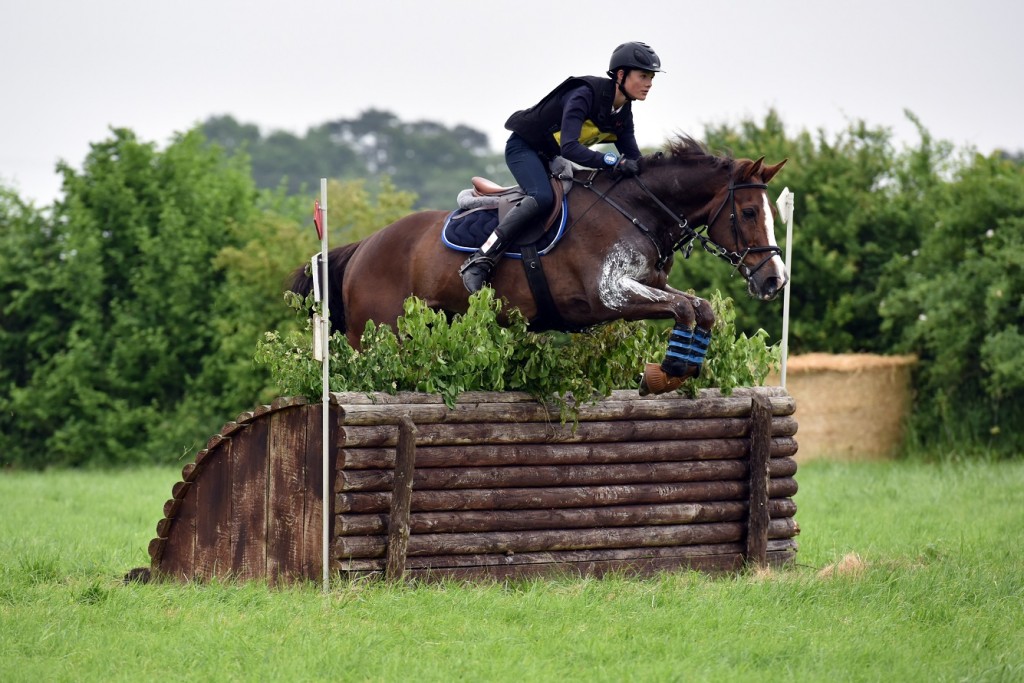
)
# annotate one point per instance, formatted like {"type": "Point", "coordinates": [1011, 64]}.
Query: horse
{"type": "Point", "coordinates": [612, 262]}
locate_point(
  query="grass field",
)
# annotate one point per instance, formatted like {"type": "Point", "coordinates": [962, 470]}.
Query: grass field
{"type": "Point", "coordinates": [936, 595]}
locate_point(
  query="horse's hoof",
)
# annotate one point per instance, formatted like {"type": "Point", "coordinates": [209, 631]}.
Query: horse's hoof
{"type": "Point", "coordinates": [655, 381]}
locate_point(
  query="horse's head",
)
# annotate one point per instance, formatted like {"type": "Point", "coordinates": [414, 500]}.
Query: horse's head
{"type": "Point", "coordinates": [743, 227]}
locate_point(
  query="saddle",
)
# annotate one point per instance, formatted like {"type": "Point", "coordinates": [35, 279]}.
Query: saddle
{"type": "Point", "coordinates": [487, 195]}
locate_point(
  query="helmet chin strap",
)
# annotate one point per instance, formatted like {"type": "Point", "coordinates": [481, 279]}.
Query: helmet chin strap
{"type": "Point", "coordinates": [622, 88]}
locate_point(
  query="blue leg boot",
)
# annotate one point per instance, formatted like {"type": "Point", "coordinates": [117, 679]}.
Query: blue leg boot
{"type": "Point", "coordinates": [686, 351]}
{"type": "Point", "coordinates": [684, 359]}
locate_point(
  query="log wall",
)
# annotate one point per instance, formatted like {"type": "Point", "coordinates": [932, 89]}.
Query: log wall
{"type": "Point", "coordinates": [496, 487]}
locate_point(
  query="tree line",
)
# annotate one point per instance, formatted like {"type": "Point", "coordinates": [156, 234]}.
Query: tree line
{"type": "Point", "coordinates": [130, 307]}
{"type": "Point", "coordinates": [428, 158]}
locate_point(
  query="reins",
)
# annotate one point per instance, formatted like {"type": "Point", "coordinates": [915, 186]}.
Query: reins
{"type": "Point", "coordinates": [687, 235]}
{"type": "Point", "coordinates": [663, 258]}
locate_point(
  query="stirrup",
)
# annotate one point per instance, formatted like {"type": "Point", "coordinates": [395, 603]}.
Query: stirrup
{"type": "Point", "coordinates": [476, 271]}
{"type": "Point", "coordinates": [478, 258]}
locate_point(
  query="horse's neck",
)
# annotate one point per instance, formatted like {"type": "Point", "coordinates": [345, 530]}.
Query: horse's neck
{"type": "Point", "coordinates": [689, 193]}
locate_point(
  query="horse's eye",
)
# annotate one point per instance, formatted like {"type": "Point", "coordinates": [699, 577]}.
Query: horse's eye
{"type": "Point", "coordinates": [749, 212]}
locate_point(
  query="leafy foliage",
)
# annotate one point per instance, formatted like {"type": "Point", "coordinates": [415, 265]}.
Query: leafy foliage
{"type": "Point", "coordinates": [858, 202]}
{"type": "Point", "coordinates": [489, 348]}
{"type": "Point", "coordinates": [129, 310]}
{"type": "Point", "coordinates": [957, 301]}
{"type": "Point", "coordinates": [356, 212]}
{"type": "Point", "coordinates": [264, 252]}
{"type": "Point", "coordinates": [33, 319]}
{"type": "Point", "coordinates": [130, 313]}
{"type": "Point", "coordinates": [126, 328]}
{"type": "Point", "coordinates": [910, 250]}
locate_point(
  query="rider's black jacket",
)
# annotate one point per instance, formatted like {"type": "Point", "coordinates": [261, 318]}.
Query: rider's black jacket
{"type": "Point", "coordinates": [573, 116]}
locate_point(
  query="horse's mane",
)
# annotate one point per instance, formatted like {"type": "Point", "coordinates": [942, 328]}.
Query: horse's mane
{"type": "Point", "coordinates": [684, 149]}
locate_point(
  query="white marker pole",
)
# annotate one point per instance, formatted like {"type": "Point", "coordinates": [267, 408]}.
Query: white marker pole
{"type": "Point", "coordinates": [785, 204]}
{"type": "Point", "coordinates": [325, 333]}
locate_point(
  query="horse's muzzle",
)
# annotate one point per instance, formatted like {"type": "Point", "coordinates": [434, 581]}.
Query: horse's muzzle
{"type": "Point", "coordinates": [767, 288]}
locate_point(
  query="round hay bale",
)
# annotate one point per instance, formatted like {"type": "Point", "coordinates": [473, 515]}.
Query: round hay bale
{"type": "Point", "coordinates": [850, 406]}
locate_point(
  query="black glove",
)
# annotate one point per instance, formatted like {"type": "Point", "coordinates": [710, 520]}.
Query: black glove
{"type": "Point", "coordinates": [627, 168]}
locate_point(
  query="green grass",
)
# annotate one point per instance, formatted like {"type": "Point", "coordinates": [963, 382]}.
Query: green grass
{"type": "Point", "coordinates": [941, 598]}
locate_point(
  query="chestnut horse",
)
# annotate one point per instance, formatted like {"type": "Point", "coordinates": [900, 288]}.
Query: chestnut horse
{"type": "Point", "coordinates": [612, 263]}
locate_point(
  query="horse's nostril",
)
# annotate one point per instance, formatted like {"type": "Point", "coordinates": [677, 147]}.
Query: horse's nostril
{"type": "Point", "coordinates": [771, 287]}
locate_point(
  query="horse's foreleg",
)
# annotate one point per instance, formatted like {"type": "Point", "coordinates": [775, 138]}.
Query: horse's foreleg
{"type": "Point", "coordinates": [704, 316]}
{"type": "Point", "coordinates": [688, 343]}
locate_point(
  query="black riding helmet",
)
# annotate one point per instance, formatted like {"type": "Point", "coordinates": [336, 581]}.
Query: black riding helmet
{"type": "Point", "coordinates": [633, 56]}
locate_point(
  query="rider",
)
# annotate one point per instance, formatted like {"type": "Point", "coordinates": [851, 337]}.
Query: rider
{"type": "Point", "coordinates": [580, 112]}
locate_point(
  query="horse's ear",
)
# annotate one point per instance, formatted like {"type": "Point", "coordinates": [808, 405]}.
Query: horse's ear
{"type": "Point", "coordinates": [753, 169]}
{"type": "Point", "coordinates": [768, 172]}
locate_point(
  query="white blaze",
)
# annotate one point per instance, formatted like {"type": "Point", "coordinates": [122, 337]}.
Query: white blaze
{"type": "Point", "coordinates": [769, 224]}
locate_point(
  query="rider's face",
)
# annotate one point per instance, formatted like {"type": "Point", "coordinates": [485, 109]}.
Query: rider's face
{"type": "Point", "coordinates": [638, 83]}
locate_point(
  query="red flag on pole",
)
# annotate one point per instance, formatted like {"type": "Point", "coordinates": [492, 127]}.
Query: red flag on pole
{"type": "Point", "coordinates": [318, 219]}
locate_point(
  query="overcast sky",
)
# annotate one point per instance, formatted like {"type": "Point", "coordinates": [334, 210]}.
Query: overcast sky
{"type": "Point", "coordinates": [70, 69]}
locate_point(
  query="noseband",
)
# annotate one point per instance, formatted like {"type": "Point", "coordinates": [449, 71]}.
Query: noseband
{"type": "Point", "coordinates": [687, 235]}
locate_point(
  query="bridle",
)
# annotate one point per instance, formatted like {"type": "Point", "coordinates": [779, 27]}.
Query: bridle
{"type": "Point", "coordinates": [688, 235]}
{"type": "Point", "coordinates": [735, 258]}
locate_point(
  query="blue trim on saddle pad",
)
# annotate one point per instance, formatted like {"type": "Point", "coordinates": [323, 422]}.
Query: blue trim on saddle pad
{"type": "Point", "coordinates": [470, 230]}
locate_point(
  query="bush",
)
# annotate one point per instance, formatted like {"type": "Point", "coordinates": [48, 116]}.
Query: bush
{"type": "Point", "coordinates": [858, 201]}
{"type": "Point", "coordinates": [119, 302]}
{"type": "Point", "coordinates": [489, 348]}
{"type": "Point", "coordinates": [957, 301]}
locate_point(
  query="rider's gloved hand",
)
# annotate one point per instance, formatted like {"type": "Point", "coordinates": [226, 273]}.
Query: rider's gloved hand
{"type": "Point", "coordinates": [627, 168]}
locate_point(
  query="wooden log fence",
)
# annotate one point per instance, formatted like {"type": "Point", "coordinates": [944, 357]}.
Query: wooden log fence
{"type": "Point", "coordinates": [496, 487]}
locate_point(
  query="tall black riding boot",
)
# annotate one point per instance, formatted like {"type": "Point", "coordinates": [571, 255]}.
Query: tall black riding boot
{"type": "Point", "coordinates": [477, 269]}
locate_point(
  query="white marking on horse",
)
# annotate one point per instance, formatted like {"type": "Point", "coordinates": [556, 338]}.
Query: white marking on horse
{"type": "Point", "coordinates": [621, 272]}
{"type": "Point", "coordinates": [769, 224]}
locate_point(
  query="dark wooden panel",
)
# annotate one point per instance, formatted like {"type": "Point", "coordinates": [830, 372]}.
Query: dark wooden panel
{"type": "Point", "coordinates": [401, 497]}
{"type": "Point", "coordinates": [595, 568]}
{"type": "Point", "coordinates": [670, 408]}
{"type": "Point", "coordinates": [518, 495]}
{"type": "Point", "coordinates": [213, 495]}
{"type": "Point", "coordinates": [563, 556]}
{"type": "Point", "coordinates": [248, 524]}
{"type": "Point", "coordinates": [575, 562]}
{"type": "Point", "coordinates": [156, 551]}
{"type": "Point", "coordinates": [760, 446]}
{"type": "Point", "coordinates": [178, 559]}
{"type": "Point", "coordinates": [286, 477]}
{"type": "Point", "coordinates": [312, 506]}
